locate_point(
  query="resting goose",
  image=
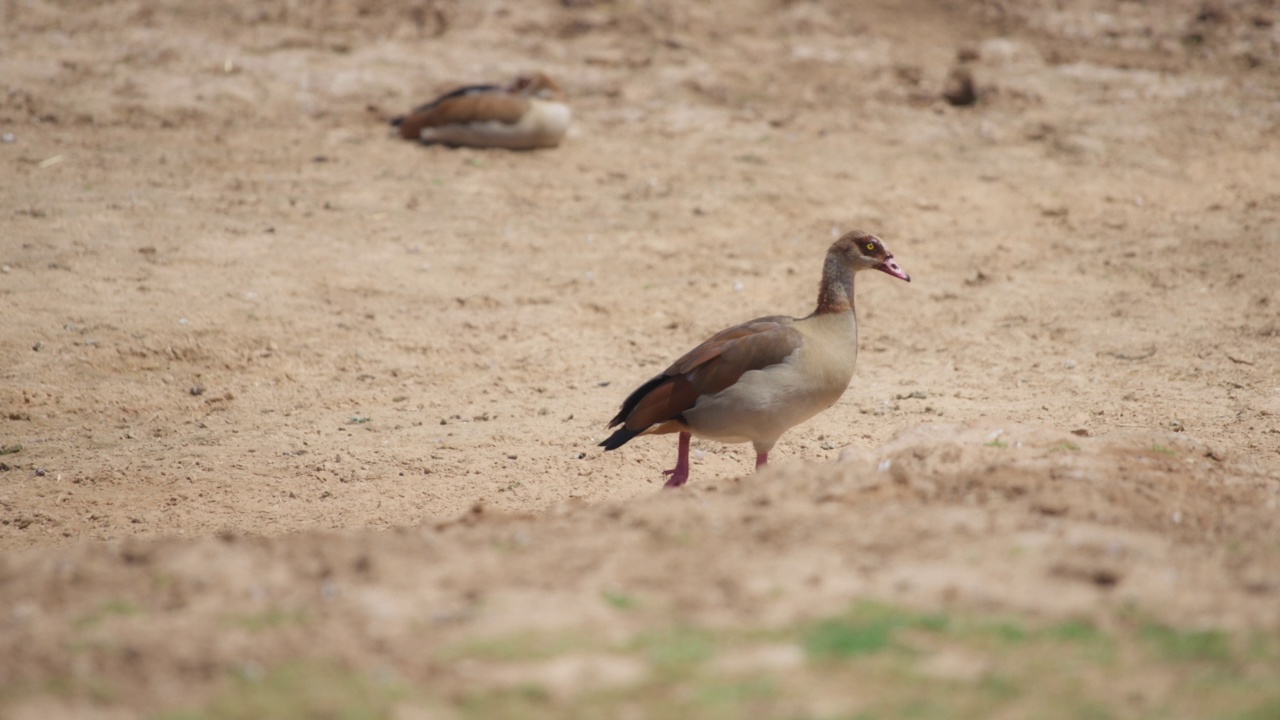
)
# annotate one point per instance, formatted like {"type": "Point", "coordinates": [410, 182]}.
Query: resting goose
{"type": "Point", "coordinates": [531, 112]}
{"type": "Point", "coordinates": [754, 381]}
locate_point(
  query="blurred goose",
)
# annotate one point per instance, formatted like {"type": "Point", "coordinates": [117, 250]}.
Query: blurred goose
{"type": "Point", "coordinates": [754, 381]}
{"type": "Point", "coordinates": [531, 112]}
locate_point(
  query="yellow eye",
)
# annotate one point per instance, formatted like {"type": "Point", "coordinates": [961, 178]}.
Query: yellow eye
{"type": "Point", "coordinates": [871, 246]}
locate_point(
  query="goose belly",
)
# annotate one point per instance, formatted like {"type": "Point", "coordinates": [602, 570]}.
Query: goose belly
{"type": "Point", "coordinates": [542, 126]}
{"type": "Point", "coordinates": [765, 403]}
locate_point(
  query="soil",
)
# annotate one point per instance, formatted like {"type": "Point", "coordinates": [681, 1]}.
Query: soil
{"type": "Point", "coordinates": [260, 353]}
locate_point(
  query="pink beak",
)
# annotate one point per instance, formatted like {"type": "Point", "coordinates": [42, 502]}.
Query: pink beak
{"type": "Point", "coordinates": [891, 267]}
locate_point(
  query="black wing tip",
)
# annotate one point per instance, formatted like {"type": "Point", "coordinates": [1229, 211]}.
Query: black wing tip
{"type": "Point", "coordinates": [619, 438]}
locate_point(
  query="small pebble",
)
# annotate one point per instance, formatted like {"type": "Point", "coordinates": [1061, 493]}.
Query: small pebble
{"type": "Point", "coordinates": [959, 89]}
{"type": "Point", "coordinates": [8, 138]}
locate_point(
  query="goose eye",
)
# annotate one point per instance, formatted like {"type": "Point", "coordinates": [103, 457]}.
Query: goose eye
{"type": "Point", "coordinates": [871, 246]}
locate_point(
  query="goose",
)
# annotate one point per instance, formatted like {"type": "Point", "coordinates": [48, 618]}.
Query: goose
{"type": "Point", "coordinates": [531, 112]}
{"type": "Point", "coordinates": [753, 382]}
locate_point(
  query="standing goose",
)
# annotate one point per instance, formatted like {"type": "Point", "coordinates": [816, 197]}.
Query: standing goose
{"type": "Point", "coordinates": [531, 112]}
{"type": "Point", "coordinates": [754, 381]}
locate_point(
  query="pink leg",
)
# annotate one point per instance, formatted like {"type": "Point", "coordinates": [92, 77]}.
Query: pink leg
{"type": "Point", "coordinates": [762, 459]}
{"type": "Point", "coordinates": [680, 473]}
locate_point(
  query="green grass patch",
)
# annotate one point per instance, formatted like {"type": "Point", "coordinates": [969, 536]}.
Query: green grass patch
{"type": "Point", "coordinates": [269, 620]}
{"type": "Point", "coordinates": [1266, 711]}
{"type": "Point", "coordinates": [108, 609]}
{"type": "Point", "coordinates": [678, 648]}
{"type": "Point", "coordinates": [1210, 646]}
{"type": "Point", "coordinates": [876, 661]}
{"type": "Point", "coordinates": [525, 646]}
{"type": "Point", "coordinates": [528, 702]}
{"type": "Point", "coordinates": [90, 687]}
{"type": "Point", "coordinates": [841, 639]}
{"type": "Point", "coordinates": [867, 629]}
{"type": "Point", "coordinates": [621, 601]}
{"type": "Point", "coordinates": [301, 690]}
{"type": "Point", "coordinates": [1073, 631]}
{"type": "Point", "coordinates": [736, 693]}
{"type": "Point", "coordinates": [1004, 631]}
{"type": "Point", "coordinates": [702, 698]}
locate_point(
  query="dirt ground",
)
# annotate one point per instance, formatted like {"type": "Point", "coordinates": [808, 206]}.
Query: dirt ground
{"type": "Point", "coordinates": [240, 315]}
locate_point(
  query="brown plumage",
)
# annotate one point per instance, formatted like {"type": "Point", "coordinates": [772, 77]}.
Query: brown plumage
{"type": "Point", "coordinates": [754, 381]}
{"type": "Point", "coordinates": [531, 112]}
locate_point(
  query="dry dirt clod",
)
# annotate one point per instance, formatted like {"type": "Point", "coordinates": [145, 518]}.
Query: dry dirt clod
{"type": "Point", "coordinates": [959, 89]}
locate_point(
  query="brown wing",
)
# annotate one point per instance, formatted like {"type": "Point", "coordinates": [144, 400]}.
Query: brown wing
{"type": "Point", "coordinates": [538, 85]}
{"type": "Point", "coordinates": [707, 369]}
{"type": "Point", "coordinates": [720, 361]}
{"type": "Point", "coordinates": [459, 108]}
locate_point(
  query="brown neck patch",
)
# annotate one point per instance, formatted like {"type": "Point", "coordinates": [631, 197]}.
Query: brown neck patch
{"type": "Point", "coordinates": [835, 293]}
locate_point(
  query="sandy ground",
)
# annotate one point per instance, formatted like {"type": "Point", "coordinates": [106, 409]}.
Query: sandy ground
{"type": "Point", "coordinates": [239, 315]}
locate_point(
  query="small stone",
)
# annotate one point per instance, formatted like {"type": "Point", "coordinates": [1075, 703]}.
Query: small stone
{"type": "Point", "coordinates": [959, 89]}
